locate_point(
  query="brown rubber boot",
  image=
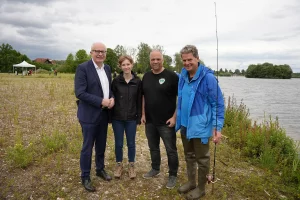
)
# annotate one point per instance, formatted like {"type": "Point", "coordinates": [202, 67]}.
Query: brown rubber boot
{"type": "Point", "coordinates": [118, 170]}
{"type": "Point", "coordinates": [203, 169]}
{"type": "Point", "coordinates": [191, 173]}
{"type": "Point", "coordinates": [131, 171]}
{"type": "Point", "coordinates": [199, 191]}
{"type": "Point", "coordinates": [195, 194]}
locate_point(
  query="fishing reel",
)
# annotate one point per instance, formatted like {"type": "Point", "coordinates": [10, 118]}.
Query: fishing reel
{"type": "Point", "coordinates": [210, 178]}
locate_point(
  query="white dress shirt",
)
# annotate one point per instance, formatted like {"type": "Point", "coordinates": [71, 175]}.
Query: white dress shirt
{"type": "Point", "coordinates": [103, 79]}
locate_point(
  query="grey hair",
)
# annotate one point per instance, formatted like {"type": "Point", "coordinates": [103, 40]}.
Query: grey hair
{"type": "Point", "coordinates": [190, 49]}
{"type": "Point", "coordinates": [98, 43]}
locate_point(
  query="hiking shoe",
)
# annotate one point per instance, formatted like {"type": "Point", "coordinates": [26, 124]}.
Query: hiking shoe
{"type": "Point", "coordinates": [151, 173]}
{"type": "Point", "coordinates": [131, 171]}
{"type": "Point", "coordinates": [171, 182]}
{"type": "Point", "coordinates": [118, 170]}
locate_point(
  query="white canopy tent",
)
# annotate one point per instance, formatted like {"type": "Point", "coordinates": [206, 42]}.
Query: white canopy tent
{"type": "Point", "coordinates": [25, 65]}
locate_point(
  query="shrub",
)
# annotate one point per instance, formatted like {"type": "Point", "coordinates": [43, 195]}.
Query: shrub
{"type": "Point", "coordinates": [265, 144]}
{"type": "Point", "coordinates": [55, 142]}
{"type": "Point", "coordinates": [19, 155]}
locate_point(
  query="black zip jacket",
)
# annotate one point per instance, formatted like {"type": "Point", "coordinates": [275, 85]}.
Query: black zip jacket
{"type": "Point", "coordinates": [128, 98]}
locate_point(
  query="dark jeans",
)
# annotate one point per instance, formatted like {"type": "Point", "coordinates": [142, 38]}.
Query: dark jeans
{"type": "Point", "coordinates": [168, 135]}
{"type": "Point", "coordinates": [93, 134]}
{"type": "Point", "coordinates": [129, 127]}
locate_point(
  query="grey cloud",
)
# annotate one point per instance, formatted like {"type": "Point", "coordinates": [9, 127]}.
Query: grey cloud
{"type": "Point", "coordinates": [204, 40]}
{"type": "Point", "coordinates": [295, 8]}
{"type": "Point", "coordinates": [25, 16]}
{"type": "Point", "coordinates": [103, 22]}
{"type": "Point", "coordinates": [279, 15]}
{"type": "Point", "coordinates": [22, 21]}
{"type": "Point", "coordinates": [297, 29]}
{"type": "Point", "coordinates": [278, 37]}
{"type": "Point", "coordinates": [36, 34]}
{"type": "Point", "coordinates": [38, 50]}
{"type": "Point", "coordinates": [288, 10]}
{"type": "Point", "coordinates": [39, 2]}
{"type": "Point", "coordinates": [11, 8]}
{"type": "Point", "coordinates": [238, 56]}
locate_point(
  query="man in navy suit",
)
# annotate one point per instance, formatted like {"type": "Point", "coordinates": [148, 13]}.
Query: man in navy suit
{"type": "Point", "coordinates": [93, 89]}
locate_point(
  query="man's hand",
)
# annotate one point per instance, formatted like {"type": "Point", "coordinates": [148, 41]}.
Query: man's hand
{"type": "Point", "coordinates": [111, 103]}
{"type": "Point", "coordinates": [171, 122]}
{"type": "Point", "coordinates": [143, 119]}
{"type": "Point", "coordinates": [216, 136]}
{"type": "Point", "coordinates": [105, 102]}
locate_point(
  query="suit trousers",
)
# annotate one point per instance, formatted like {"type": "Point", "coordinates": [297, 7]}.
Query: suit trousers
{"type": "Point", "coordinates": [93, 134]}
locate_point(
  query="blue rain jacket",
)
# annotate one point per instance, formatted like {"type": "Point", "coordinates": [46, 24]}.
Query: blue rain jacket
{"type": "Point", "coordinates": [206, 104]}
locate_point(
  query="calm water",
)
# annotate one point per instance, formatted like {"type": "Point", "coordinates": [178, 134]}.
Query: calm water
{"type": "Point", "coordinates": [265, 97]}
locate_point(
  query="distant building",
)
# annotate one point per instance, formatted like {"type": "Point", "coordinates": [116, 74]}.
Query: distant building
{"type": "Point", "coordinates": [44, 61]}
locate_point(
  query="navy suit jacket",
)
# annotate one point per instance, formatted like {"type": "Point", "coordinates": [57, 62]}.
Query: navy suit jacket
{"type": "Point", "coordinates": [88, 90]}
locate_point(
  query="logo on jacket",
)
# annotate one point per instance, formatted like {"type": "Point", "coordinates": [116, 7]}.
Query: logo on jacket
{"type": "Point", "coordinates": [161, 81]}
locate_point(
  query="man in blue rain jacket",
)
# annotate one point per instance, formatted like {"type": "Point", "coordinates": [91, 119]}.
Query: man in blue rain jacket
{"type": "Point", "coordinates": [200, 115]}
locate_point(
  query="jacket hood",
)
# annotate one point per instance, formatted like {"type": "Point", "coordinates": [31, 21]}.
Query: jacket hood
{"type": "Point", "coordinates": [201, 72]}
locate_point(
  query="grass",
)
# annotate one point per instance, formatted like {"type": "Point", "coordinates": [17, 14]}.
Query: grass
{"type": "Point", "coordinates": [41, 139]}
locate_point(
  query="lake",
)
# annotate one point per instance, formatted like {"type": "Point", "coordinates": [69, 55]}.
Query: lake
{"type": "Point", "coordinates": [265, 97]}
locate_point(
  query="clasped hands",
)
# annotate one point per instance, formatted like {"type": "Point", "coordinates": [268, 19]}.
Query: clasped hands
{"type": "Point", "coordinates": [109, 103]}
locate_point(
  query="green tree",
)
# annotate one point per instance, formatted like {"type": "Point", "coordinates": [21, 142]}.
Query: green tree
{"type": "Point", "coordinates": [143, 58]}
{"type": "Point", "coordinates": [81, 56]}
{"type": "Point", "coordinates": [237, 72]}
{"type": "Point", "coordinates": [9, 56]}
{"type": "Point", "coordinates": [70, 63]}
{"type": "Point", "coordinates": [268, 70]}
{"type": "Point", "coordinates": [201, 62]}
{"type": "Point", "coordinates": [168, 62]}
{"type": "Point", "coordinates": [120, 50]}
{"type": "Point", "coordinates": [112, 60]}
{"type": "Point", "coordinates": [132, 52]}
{"type": "Point", "coordinates": [243, 72]}
{"type": "Point", "coordinates": [159, 48]}
{"type": "Point", "coordinates": [178, 62]}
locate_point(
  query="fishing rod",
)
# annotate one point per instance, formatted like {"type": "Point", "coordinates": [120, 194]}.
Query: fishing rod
{"type": "Point", "coordinates": [215, 149]}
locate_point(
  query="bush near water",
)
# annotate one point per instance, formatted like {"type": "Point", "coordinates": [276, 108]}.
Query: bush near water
{"type": "Point", "coordinates": [268, 70]}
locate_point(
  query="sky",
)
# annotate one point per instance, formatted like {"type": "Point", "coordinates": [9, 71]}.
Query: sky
{"type": "Point", "coordinates": [249, 31]}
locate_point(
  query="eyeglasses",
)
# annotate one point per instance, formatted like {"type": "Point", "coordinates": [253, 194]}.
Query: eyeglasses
{"type": "Point", "coordinates": [99, 51]}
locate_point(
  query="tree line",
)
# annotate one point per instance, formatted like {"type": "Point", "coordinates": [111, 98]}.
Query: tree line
{"type": "Point", "coordinates": [9, 56]}
{"type": "Point", "coordinates": [268, 70]}
{"type": "Point", "coordinates": [141, 55]}
{"type": "Point", "coordinates": [227, 72]}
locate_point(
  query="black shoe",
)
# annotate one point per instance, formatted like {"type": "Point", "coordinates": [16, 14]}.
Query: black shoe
{"type": "Point", "coordinates": [102, 174]}
{"type": "Point", "coordinates": [87, 184]}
